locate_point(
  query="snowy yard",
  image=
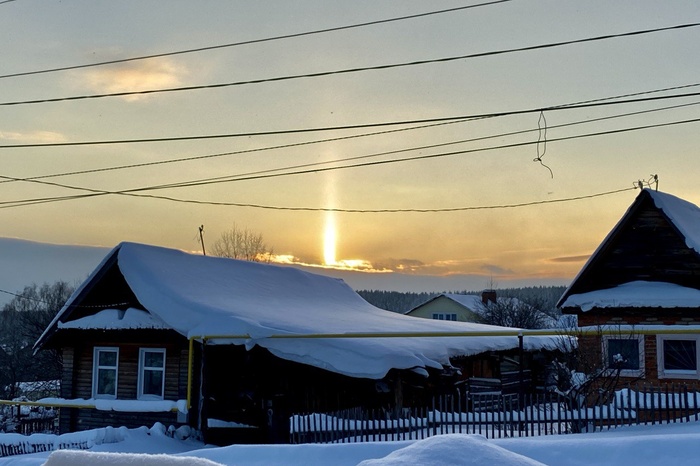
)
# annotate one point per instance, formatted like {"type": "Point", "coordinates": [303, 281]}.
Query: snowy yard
{"type": "Point", "coordinates": [676, 444]}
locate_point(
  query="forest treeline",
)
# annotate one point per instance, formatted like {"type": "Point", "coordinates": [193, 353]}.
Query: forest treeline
{"type": "Point", "coordinates": [402, 302]}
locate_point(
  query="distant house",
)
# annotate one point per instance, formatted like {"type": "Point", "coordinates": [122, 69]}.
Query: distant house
{"type": "Point", "coordinates": [638, 295]}
{"type": "Point", "coordinates": [455, 307]}
{"type": "Point", "coordinates": [158, 335]}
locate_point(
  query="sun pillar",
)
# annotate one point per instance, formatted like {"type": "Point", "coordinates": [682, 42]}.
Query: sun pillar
{"type": "Point", "coordinates": [329, 240]}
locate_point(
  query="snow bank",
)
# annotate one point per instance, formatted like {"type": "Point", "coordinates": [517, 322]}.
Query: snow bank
{"type": "Point", "coordinates": [455, 449]}
{"type": "Point", "coordinates": [87, 458]}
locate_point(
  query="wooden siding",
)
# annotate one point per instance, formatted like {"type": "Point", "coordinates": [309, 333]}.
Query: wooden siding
{"type": "Point", "coordinates": [87, 419]}
{"type": "Point", "coordinates": [77, 376]}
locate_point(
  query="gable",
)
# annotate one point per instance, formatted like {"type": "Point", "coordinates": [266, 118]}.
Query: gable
{"type": "Point", "coordinates": [444, 304]}
{"type": "Point", "coordinates": [105, 288]}
{"type": "Point", "coordinates": [646, 245]}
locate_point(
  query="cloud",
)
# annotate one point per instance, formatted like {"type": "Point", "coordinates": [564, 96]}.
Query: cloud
{"type": "Point", "coordinates": [496, 270]}
{"type": "Point", "coordinates": [400, 265]}
{"type": "Point", "coordinates": [581, 258]}
{"type": "Point", "coordinates": [135, 76]}
{"type": "Point", "coordinates": [33, 136]}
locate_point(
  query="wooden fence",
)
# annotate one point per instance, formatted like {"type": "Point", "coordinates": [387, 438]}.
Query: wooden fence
{"type": "Point", "coordinates": [38, 445]}
{"type": "Point", "coordinates": [498, 416]}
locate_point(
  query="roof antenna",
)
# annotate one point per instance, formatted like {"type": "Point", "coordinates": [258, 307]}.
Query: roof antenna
{"type": "Point", "coordinates": [652, 179]}
{"type": "Point", "coordinates": [201, 239]}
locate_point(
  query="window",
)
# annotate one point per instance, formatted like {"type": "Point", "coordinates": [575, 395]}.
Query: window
{"type": "Point", "coordinates": [104, 372]}
{"type": "Point", "coordinates": [625, 353]}
{"type": "Point", "coordinates": [151, 373]}
{"type": "Point", "coordinates": [441, 316]}
{"type": "Point", "coordinates": [678, 355]}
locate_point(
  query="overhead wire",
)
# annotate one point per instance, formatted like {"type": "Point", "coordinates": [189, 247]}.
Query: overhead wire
{"type": "Point", "coordinates": [585, 105]}
{"type": "Point", "coordinates": [360, 157]}
{"type": "Point", "coordinates": [84, 306]}
{"type": "Point", "coordinates": [353, 70]}
{"type": "Point", "coordinates": [138, 192]}
{"type": "Point", "coordinates": [249, 42]}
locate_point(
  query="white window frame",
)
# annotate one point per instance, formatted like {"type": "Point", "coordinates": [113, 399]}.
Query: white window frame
{"type": "Point", "coordinates": [640, 347]}
{"type": "Point", "coordinates": [445, 316]}
{"type": "Point", "coordinates": [677, 374]}
{"type": "Point", "coordinates": [143, 369]}
{"type": "Point", "coordinates": [96, 368]}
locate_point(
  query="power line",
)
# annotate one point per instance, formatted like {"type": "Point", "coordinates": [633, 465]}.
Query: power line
{"type": "Point", "coordinates": [315, 164]}
{"type": "Point", "coordinates": [408, 159]}
{"type": "Point", "coordinates": [249, 42]}
{"type": "Point", "coordinates": [137, 192]}
{"type": "Point", "coordinates": [41, 301]}
{"type": "Point", "coordinates": [353, 70]}
{"type": "Point", "coordinates": [589, 104]}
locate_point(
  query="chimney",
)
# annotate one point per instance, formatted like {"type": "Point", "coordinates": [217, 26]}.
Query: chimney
{"type": "Point", "coordinates": [488, 295]}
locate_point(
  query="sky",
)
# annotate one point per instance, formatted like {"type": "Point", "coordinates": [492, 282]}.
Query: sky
{"type": "Point", "coordinates": [657, 445]}
{"type": "Point", "coordinates": [544, 243]}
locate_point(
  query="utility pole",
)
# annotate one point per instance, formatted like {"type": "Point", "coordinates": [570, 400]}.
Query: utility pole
{"type": "Point", "coordinates": [201, 239]}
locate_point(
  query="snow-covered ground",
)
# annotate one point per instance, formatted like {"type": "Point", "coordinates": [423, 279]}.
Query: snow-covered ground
{"type": "Point", "coordinates": [673, 444]}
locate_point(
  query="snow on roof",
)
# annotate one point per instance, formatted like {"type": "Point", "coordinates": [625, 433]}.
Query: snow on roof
{"type": "Point", "coordinates": [637, 294]}
{"type": "Point", "coordinates": [683, 214]}
{"type": "Point", "coordinates": [115, 319]}
{"type": "Point", "coordinates": [202, 296]}
{"type": "Point", "coordinates": [470, 301]}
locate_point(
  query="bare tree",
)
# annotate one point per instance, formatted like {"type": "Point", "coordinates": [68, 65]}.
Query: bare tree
{"type": "Point", "coordinates": [23, 320]}
{"type": "Point", "coordinates": [593, 376]}
{"type": "Point", "coordinates": [244, 244]}
{"type": "Point", "coordinates": [513, 312]}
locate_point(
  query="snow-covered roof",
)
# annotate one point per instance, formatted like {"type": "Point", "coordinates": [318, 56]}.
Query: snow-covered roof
{"type": "Point", "coordinates": [470, 301]}
{"type": "Point", "coordinates": [115, 319]}
{"type": "Point", "coordinates": [232, 301]}
{"type": "Point", "coordinates": [684, 215]}
{"type": "Point", "coordinates": [637, 294]}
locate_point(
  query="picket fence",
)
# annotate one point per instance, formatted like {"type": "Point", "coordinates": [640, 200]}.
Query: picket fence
{"type": "Point", "coordinates": [498, 416]}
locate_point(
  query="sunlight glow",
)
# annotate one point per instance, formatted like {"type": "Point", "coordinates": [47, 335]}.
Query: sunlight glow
{"type": "Point", "coordinates": [329, 240]}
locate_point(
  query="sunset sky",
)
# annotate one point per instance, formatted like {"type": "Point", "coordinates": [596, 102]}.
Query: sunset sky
{"type": "Point", "coordinates": [433, 229]}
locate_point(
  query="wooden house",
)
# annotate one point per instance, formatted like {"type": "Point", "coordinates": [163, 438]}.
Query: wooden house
{"type": "Point", "coordinates": [638, 296]}
{"type": "Point", "coordinates": [222, 345]}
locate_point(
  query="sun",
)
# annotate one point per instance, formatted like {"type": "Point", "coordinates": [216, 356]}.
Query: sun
{"type": "Point", "coordinates": [329, 241]}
